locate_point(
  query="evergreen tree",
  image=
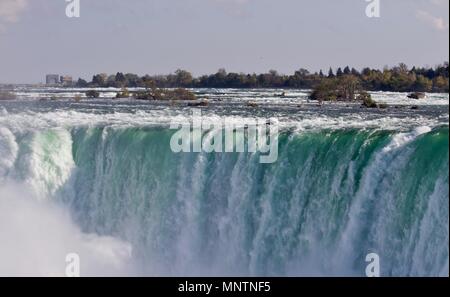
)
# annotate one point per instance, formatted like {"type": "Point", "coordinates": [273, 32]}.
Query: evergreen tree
{"type": "Point", "coordinates": [347, 70]}
{"type": "Point", "coordinates": [330, 73]}
{"type": "Point", "coordinates": [355, 72]}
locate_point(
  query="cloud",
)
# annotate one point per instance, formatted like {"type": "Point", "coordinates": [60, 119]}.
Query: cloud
{"type": "Point", "coordinates": [10, 11]}
{"type": "Point", "coordinates": [437, 23]}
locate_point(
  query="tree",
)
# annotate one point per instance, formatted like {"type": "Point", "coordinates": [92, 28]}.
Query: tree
{"type": "Point", "coordinates": [120, 80]}
{"type": "Point", "coordinates": [324, 91]}
{"type": "Point", "coordinates": [234, 80]}
{"type": "Point", "coordinates": [397, 78]}
{"type": "Point", "coordinates": [81, 83]}
{"type": "Point", "coordinates": [430, 73]}
{"type": "Point", "coordinates": [302, 72]}
{"type": "Point", "coordinates": [441, 84]}
{"type": "Point", "coordinates": [348, 86]}
{"type": "Point", "coordinates": [347, 70]}
{"type": "Point", "coordinates": [218, 79]}
{"type": "Point", "coordinates": [442, 70]}
{"type": "Point", "coordinates": [344, 88]}
{"type": "Point", "coordinates": [423, 84]}
{"type": "Point", "coordinates": [355, 72]}
{"type": "Point", "coordinates": [111, 81]}
{"type": "Point", "coordinates": [366, 71]}
{"type": "Point", "coordinates": [401, 68]}
{"type": "Point", "coordinates": [252, 81]}
{"type": "Point", "coordinates": [330, 73]}
{"type": "Point", "coordinates": [133, 80]}
{"type": "Point", "coordinates": [99, 80]}
{"type": "Point", "coordinates": [183, 78]}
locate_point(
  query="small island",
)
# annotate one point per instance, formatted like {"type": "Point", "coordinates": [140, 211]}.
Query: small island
{"type": "Point", "coordinates": [347, 84]}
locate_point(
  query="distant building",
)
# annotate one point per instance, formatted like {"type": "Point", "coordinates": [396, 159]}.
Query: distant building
{"type": "Point", "coordinates": [52, 79]}
{"type": "Point", "coordinates": [66, 80]}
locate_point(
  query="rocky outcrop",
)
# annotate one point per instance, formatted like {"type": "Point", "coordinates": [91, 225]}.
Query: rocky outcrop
{"type": "Point", "coordinates": [201, 103]}
{"type": "Point", "coordinates": [417, 95]}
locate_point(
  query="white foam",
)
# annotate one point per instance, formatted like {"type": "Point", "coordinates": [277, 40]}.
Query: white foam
{"type": "Point", "coordinates": [400, 139]}
{"type": "Point", "coordinates": [8, 151]}
{"type": "Point", "coordinates": [3, 111]}
{"type": "Point", "coordinates": [32, 121]}
{"type": "Point", "coordinates": [262, 96]}
{"type": "Point", "coordinates": [37, 237]}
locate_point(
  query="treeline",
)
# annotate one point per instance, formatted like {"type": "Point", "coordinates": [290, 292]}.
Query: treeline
{"type": "Point", "coordinates": [400, 78]}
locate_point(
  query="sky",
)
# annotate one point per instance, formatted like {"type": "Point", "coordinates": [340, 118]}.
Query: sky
{"type": "Point", "coordinates": [160, 36]}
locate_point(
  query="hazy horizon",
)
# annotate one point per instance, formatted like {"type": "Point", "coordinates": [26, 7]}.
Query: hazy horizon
{"type": "Point", "coordinates": [201, 36]}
